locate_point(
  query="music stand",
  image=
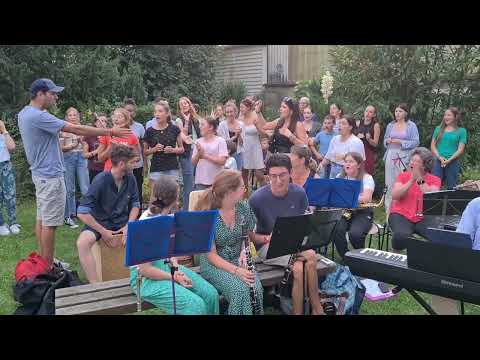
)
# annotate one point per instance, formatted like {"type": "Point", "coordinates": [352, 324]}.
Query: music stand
{"type": "Point", "coordinates": [323, 223]}
{"type": "Point", "coordinates": [288, 236]}
{"type": "Point", "coordinates": [447, 202]}
{"type": "Point", "coordinates": [164, 237]}
{"type": "Point", "coordinates": [445, 207]}
{"type": "Point", "coordinates": [333, 193]}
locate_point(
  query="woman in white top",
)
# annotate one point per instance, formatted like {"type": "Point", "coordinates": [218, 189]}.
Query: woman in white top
{"type": "Point", "coordinates": [360, 222]}
{"type": "Point", "coordinates": [194, 295]}
{"type": "Point", "coordinates": [233, 129]}
{"type": "Point", "coordinates": [252, 148]}
{"type": "Point", "coordinates": [342, 144]}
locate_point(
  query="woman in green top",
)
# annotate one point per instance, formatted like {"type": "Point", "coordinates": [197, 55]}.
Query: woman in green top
{"type": "Point", "coordinates": [448, 145]}
{"type": "Point", "coordinates": [225, 265]}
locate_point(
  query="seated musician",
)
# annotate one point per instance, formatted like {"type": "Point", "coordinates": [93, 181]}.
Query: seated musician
{"type": "Point", "coordinates": [281, 198]}
{"type": "Point", "coordinates": [194, 296]}
{"type": "Point", "coordinates": [111, 201]}
{"type": "Point", "coordinates": [406, 216]}
{"type": "Point", "coordinates": [225, 266]}
{"type": "Point", "coordinates": [470, 222]}
{"type": "Point", "coordinates": [360, 220]}
{"type": "Point", "coordinates": [303, 165]}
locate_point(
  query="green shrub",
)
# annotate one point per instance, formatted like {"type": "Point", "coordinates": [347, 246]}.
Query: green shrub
{"type": "Point", "coordinates": [312, 90]}
{"type": "Point", "coordinates": [232, 90]}
{"type": "Point", "coordinates": [429, 78]}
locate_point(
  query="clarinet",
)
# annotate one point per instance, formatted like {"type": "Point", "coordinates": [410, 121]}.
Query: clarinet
{"type": "Point", "coordinates": [285, 290]}
{"type": "Point", "coordinates": [250, 267]}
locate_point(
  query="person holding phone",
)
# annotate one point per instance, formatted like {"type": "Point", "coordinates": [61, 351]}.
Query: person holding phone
{"type": "Point", "coordinates": [111, 201]}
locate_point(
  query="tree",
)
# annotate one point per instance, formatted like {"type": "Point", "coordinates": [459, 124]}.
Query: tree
{"type": "Point", "coordinates": [429, 78]}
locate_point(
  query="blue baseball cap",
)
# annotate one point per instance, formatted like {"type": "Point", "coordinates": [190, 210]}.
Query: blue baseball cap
{"type": "Point", "coordinates": [44, 85]}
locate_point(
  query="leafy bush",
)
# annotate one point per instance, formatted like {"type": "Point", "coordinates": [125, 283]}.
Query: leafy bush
{"type": "Point", "coordinates": [98, 77]}
{"type": "Point", "coordinates": [312, 90]}
{"type": "Point", "coordinates": [429, 78]}
{"type": "Point", "coordinates": [232, 90]}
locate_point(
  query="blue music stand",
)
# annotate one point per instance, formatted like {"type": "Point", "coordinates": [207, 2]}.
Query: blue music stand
{"type": "Point", "coordinates": [333, 193]}
{"type": "Point", "coordinates": [164, 237]}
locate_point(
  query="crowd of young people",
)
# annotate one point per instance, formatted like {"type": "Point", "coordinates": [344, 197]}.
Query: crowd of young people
{"type": "Point", "coordinates": [219, 155]}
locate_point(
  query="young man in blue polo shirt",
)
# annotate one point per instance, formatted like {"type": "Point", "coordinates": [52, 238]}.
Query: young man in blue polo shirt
{"type": "Point", "coordinates": [112, 200]}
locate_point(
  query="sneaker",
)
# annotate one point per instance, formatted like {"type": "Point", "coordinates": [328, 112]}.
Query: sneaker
{"type": "Point", "coordinates": [15, 229]}
{"type": "Point", "coordinates": [71, 223]}
{"type": "Point", "coordinates": [4, 230]}
{"type": "Point", "coordinates": [61, 263]}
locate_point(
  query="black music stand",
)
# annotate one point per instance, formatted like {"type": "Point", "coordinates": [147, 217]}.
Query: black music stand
{"type": "Point", "coordinates": [164, 237]}
{"type": "Point", "coordinates": [323, 223]}
{"type": "Point", "coordinates": [288, 237]}
{"type": "Point", "coordinates": [446, 207]}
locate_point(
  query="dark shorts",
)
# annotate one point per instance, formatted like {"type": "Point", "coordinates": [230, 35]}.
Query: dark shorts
{"type": "Point", "coordinates": [98, 236]}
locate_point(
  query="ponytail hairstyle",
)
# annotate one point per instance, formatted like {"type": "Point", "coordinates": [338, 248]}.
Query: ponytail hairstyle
{"type": "Point", "coordinates": [455, 113]}
{"type": "Point", "coordinates": [166, 107]}
{"type": "Point", "coordinates": [248, 102]}
{"type": "Point", "coordinates": [224, 183]}
{"type": "Point", "coordinates": [351, 121]}
{"type": "Point", "coordinates": [304, 153]}
{"type": "Point", "coordinates": [340, 109]}
{"type": "Point", "coordinates": [96, 117]}
{"type": "Point", "coordinates": [233, 106]}
{"type": "Point", "coordinates": [164, 194]}
{"type": "Point", "coordinates": [374, 117]}
{"type": "Point", "coordinates": [359, 160]}
{"type": "Point", "coordinates": [210, 120]}
{"type": "Point", "coordinates": [295, 117]}
{"type": "Point", "coordinates": [125, 114]}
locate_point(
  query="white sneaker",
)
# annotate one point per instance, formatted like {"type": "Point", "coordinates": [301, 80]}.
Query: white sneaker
{"type": "Point", "coordinates": [61, 263]}
{"type": "Point", "coordinates": [71, 223]}
{"type": "Point", "coordinates": [4, 230]}
{"type": "Point", "coordinates": [15, 229]}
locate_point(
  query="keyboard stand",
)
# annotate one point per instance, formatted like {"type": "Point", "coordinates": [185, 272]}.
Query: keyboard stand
{"type": "Point", "coordinates": [427, 307]}
{"type": "Point", "coordinates": [422, 302]}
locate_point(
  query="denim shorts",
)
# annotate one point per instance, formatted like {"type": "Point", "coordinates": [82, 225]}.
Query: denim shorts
{"type": "Point", "coordinates": [156, 175]}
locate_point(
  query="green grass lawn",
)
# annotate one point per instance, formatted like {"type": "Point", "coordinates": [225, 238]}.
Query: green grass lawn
{"type": "Point", "coordinates": [14, 248]}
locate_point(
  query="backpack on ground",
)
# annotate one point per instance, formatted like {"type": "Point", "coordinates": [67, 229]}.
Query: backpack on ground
{"type": "Point", "coordinates": [343, 289]}
{"type": "Point", "coordinates": [37, 295]}
{"type": "Point", "coordinates": [30, 267]}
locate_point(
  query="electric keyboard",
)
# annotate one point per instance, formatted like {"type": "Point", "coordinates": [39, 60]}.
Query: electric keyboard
{"type": "Point", "coordinates": [393, 269]}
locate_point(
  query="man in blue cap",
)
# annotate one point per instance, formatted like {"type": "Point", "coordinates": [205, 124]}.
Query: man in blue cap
{"type": "Point", "coordinates": [39, 130]}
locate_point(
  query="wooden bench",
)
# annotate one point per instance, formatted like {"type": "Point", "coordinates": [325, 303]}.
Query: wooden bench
{"type": "Point", "coordinates": [116, 297]}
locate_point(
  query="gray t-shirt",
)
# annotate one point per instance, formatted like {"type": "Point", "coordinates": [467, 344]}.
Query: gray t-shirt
{"type": "Point", "coordinates": [39, 130]}
{"type": "Point", "coordinates": [267, 207]}
{"type": "Point", "coordinates": [139, 132]}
